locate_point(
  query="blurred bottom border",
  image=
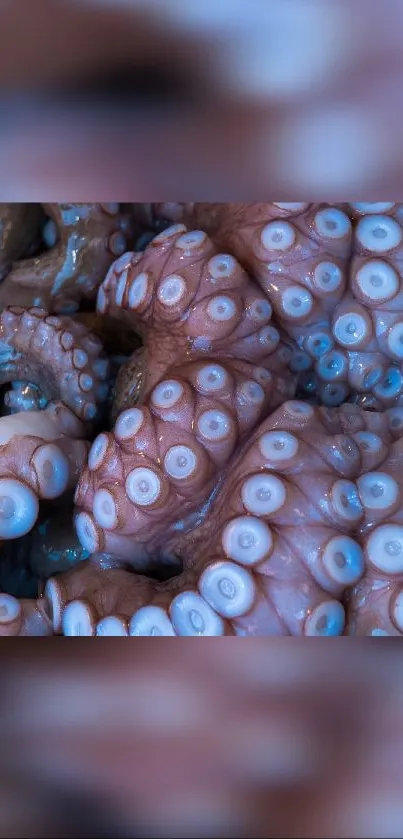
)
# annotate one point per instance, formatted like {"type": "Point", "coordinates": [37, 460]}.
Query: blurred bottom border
{"type": "Point", "coordinates": [249, 738]}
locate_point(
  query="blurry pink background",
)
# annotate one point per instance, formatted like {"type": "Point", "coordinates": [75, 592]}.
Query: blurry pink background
{"type": "Point", "coordinates": [254, 738]}
{"type": "Point", "coordinates": [229, 99]}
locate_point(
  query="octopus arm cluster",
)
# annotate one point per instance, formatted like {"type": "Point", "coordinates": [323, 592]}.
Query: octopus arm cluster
{"type": "Point", "coordinates": [285, 512]}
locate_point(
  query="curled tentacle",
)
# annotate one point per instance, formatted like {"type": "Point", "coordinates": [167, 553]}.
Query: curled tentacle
{"type": "Point", "coordinates": [336, 290]}
{"type": "Point", "coordinates": [163, 459]}
{"type": "Point", "coordinates": [83, 241]}
{"type": "Point", "coordinates": [43, 452]}
{"type": "Point", "coordinates": [23, 617]}
{"type": "Point", "coordinates": [200, 315]}
{"type": "Point", "coordinates": [375, 606]}
{"type": "Point", "coordinates": [298, 253]}
{"type": "Point", "coordinates": [366, 325]}
{"type": "Point", "coordinates": [57, 355]}
{"type": "Point", "coordinates": [37, 461]}
{"type": "Point", "coordinates": [93, 599]}
{"type": "Point", "coordinates": [285, 539]}
{"type": "Point", "coordinates": [376, 282]}
{"type": "Point", "coordinates": [189, 301]}
{"type": "Point", "coordinates": [186, 298]}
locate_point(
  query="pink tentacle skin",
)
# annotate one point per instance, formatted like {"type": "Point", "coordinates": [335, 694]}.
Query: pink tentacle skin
{"type": "Point", "coordinates": [298, 253]}
{"type": "Point", "coordinates": [126, 357]}
{"type": "Point", "coordinates": [376, 604]}
{"type": "Point", "coordinates": [335, 287]}
{"type": "Point", "coordinates": [43, 452]}
{"type": "Point", "coordinates": [34, 466]}
{"type": "Point", "coordinates": [84, 240]}
{"type": "Point", "coordinates": [55, 353]}
{"type": "Point", "coordinates": [195, 300]}
{"type": "Point", "coordinates": [279, 550]}
{"type": "Point", "coordinates": [376, 283]}
{"type": "Point", "coordinates": [23, 618]}
{"type": "Point", "coordinates": [93, 599]}
{"type": "Point", "coordinates": [278, 516]}
{"type": "Point", "coordinates": [201, 315]}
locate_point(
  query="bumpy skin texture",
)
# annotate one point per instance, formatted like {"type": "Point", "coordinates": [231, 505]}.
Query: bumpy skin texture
{"type": "Point", "coordinates": [214, 367]}
{"type": "Point", "coordinates": [335, 287]}
{"type": "Point", "coordinates": [42, 452]}
{"type": "Point", "coordinates": [375, 605]}
{"type": "Point", "coordinates": [83, 240]}
{"type": "Point", "coordinates": [288, 534]}
{"type": "Point", "coordinates": [295, 530]}
{"type": "Point", "coordinates": [24, 617]}
{"type": "Point", "coordinates": [126, 356]}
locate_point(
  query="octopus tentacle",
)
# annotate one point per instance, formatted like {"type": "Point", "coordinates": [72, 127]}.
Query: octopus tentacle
{"type": "Point", "coordinates": [375, 604]}
{"type": "Point", "coordinates": [297, 253]}
{"type": "Point", "coordinates": [37, 462]}
{"type": "Point", "coordinates": [163, 459]}
{"type": "Point", "coordinates": [23, 617]}
{"type": "Point", "coordinates": [56, 354]}
{"type": "Point", "coordinates": [344, 283]}
{"type": "Point", "coordinates": [43, 452]}
{"type": "Point", "coordinates": [182, 288]}
{"type": "Point", "coordinates": [275, 556]}
{"type": "Point", "coordinates": [304, 537]}
{"type": "Point", "coordinates": [84, 240]}
{"type": "Point", "coordinates": [277, 516]}
{"type": "Point", "coordinates": [92, 600]}
{"type": "Point", "coordinates": [126, 357]}
{"type": "Point", "coordinates": [188, 301]}
{"type": "Point", "coordinates": [376, 282]}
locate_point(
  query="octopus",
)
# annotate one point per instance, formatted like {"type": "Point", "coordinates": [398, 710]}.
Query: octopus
{"type": "Point", "coordinates": [79, 242]}
{"type": "Point", "coordinates": [239, 471]}
{"type": "Point", "coordinates": [333, 277]}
